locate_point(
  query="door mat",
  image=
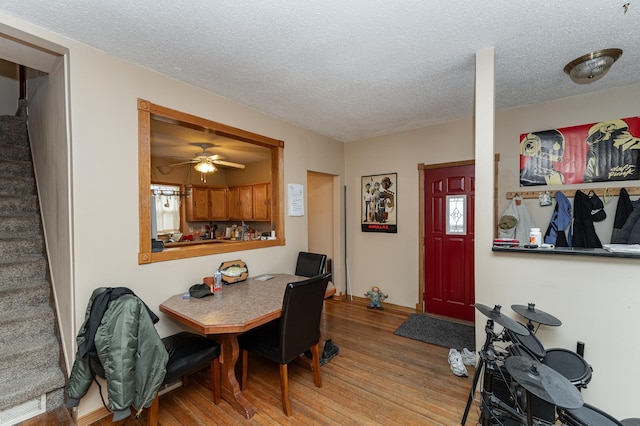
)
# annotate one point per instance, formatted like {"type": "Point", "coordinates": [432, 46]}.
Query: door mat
{"type": "Point", "coordinates": [438, 332]}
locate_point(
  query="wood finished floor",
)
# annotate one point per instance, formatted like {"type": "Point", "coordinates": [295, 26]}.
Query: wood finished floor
{"type": "Point", "coordinates": [377, 379]}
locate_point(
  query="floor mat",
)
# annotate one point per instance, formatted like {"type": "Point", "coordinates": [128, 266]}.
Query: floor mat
{"type": "Point", "coordinates": [438, 332]}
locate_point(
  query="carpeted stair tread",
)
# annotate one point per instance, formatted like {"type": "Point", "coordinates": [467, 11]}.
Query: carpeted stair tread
{"type": "Point", "coordinates": [39, 382]}
{"type": "Point", "coordinates": [33, 322]}
{"type": "Point", "coordinates": [40, 353]}
{"type": "Point", "coordinates": [12, 204]}
{"type": "Point", "coordinates": [16, 168]}
{"type": "Point", "coordinates": [13, 130]}
{"type": "Point", "coordinates": [22, 224]}
{"type": "Point", "coordinates": [18, 271]}
{"type": "Point", "coordinates": [17, 185]}
{"type": "Point", "coordinates": [30, 294]}
{"type": "Point", "coordinates": [21, 246]}
{"type": "Point", "coordinates": [14, 152]}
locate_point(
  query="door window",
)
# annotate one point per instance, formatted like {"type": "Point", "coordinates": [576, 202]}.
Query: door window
{"type": "Point", "coordinates": [456, 212]}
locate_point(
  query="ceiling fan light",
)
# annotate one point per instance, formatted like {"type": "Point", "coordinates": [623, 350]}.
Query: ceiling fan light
{"type": "Point", "coordinates": [592, 66]}
{"type": "Point", "coordinates": [205, 167]}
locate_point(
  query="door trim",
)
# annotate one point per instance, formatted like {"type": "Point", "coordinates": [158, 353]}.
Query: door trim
{"type": "Point", "coordinates": [421, 169]}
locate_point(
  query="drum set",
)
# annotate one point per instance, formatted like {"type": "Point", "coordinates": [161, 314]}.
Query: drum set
{"type": "Point", "coordinates": [526, 384]}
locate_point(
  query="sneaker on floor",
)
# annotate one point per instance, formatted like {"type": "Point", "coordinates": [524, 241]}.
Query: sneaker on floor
{"type": "Point", "coordinates": [457, 366]}
{"type": "Point", "coordinates": [330, 350]}
{"type": "Point", "coordinates": [468, 357]}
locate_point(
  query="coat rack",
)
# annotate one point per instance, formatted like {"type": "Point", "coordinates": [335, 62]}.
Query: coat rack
{"type": "Point", "coordinates": [570, 193]}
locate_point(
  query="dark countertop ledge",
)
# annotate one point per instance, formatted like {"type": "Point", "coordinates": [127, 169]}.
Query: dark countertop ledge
{"type": "Point", "coordinates": [572, 251]}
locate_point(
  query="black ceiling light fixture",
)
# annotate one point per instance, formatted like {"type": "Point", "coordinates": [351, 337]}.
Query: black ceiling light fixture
{"type": "Point", "coordinates": [592, 66]}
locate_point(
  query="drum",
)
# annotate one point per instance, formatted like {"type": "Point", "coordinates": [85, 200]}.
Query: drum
{"type": "Point", "coordinates": [529, 342]}
{"type": "Point", "coordinates": [587, 415]}
{"type": "Point", "coordinates": [570, 365]}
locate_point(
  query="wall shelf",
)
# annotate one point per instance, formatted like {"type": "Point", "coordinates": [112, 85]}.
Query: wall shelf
{"type": "Point", "coordinates": [570, 193]}
{"type": "Point", "coordinates": [572, 251]}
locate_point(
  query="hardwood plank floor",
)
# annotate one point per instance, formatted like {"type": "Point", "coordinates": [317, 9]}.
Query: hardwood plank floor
{"type": "Point", "coordinates": [377, 379]}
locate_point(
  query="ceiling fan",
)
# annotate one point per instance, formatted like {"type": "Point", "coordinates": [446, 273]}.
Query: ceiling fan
{"type": "Point", "coordinates": [206, 162]}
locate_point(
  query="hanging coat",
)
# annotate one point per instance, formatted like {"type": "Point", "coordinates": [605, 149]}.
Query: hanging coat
{"type": "Point", "coordinates": [523, 225]}
{"type": "Point", "coordinates": [560, 220]}
{"type": "Point", "coordinates": [129, 350]}
{"type": "Point", "coordinates": [623, 210]}
{"type": "Point", "coordinates": [584, 233]}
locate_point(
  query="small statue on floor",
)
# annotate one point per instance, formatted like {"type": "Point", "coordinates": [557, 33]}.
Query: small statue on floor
{"type": "Point", "coordinates": [376, 297]}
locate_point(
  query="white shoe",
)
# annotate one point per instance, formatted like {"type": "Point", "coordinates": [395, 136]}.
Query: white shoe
{"type": "Point", "coordinates": [468, 357]}
{"type": "Point", "coordinates": [457, 366]}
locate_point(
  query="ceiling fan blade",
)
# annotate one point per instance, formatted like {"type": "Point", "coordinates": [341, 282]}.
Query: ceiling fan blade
{"type": "Point", "coordinates": [181, 163]}
{"type": "Point", "coordinates": [228, 164]}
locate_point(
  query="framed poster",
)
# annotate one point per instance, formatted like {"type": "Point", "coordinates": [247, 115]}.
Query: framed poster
{"type": "Point", "coordinates": [379, 202]}
{"type": "Point", "coordinates": [595, 152]}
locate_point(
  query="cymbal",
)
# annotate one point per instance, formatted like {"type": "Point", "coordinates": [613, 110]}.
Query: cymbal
{"type": "Point", "coordinates": [531, 313]}
{"type": "Point", "coordinates": [544, 382]}
{"type": "Point", "coordinates": [504, 321]}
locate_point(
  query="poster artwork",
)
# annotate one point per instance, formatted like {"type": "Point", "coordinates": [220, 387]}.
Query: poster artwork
{"type": "Point", "coordinates": [379, 203]}
{"type": "Point", "coordinates": [597, 152]}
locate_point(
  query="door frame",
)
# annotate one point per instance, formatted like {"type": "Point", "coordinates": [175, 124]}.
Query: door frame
{"type": "Point", "coordinates": [420, 306]}
{"type": "Point", "coordinates": [334, 237]}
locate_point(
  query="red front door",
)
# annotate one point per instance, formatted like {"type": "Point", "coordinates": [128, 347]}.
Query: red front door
{"type": "Point", "coordinates": [448, 243]}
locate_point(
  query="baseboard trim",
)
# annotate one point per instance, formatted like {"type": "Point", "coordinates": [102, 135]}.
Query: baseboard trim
{"type": "Point", "coordinates": [365, 302]}
{"type": "Point", "coordinates": [102, 412]}
{"type": "Point", "coordinates": [94, 416]}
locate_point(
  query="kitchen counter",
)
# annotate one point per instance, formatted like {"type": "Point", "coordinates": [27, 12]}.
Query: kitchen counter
{"type": "Point", "coordinates": [198, 242]}
{"type": "Point", "coordinates": [195, 242]}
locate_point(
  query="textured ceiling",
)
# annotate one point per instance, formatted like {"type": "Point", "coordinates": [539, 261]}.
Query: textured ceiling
{"type": "Point", "coordinates": [360, 68]}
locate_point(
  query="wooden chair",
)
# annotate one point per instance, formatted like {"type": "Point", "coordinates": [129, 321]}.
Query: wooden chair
{"type": "Point", "coordinates": [310, 264]}
{"type": "Point", "coordinates": [297, 330]}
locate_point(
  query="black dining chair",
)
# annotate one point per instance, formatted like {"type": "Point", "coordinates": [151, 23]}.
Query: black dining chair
{"type": "Point", "coordinates": [297, 329]}
{"type": "Point", "coordinates": [188, 354]}
{"type": "Point", "coordinates": [310, 264]}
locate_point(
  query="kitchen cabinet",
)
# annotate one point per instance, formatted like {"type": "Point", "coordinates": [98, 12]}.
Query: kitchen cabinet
{"type": "Point", "coordinates": [218, 203]}
{"type": "Point", "coordinates": [240, 202]}
{"type": "Point", "coordinates": [250, 202]}
{"type": "Point", "coordinates": [206, 203]}
{"type": "Point", "coordinates": [262, 201]}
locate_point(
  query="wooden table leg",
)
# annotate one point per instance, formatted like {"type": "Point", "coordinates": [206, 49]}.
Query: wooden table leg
{"type": "Point", "coordinates": [229, 383]}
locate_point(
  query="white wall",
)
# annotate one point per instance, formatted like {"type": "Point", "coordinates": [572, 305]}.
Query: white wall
{"type": "Point", "coordinates": [390, 261]}
{"type": "Point", "coordinates": [48, 134]}
{"type": "Point", "coordinates": [103, 93]}
{"type": "Point", "coordinates": [595, 298]}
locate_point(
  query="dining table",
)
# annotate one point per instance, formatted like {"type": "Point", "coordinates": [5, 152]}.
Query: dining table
{"type": "Point", "coordinates": [229, 312]}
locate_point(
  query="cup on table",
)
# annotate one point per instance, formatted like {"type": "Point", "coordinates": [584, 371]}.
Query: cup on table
{"type": "Point", "coordinates": [208, 281]}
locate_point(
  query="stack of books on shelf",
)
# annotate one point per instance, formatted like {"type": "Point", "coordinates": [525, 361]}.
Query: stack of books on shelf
{"type": "Point", "coordinates": [505, 242]}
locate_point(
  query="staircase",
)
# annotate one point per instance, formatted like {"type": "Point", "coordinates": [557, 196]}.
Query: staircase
{"type": "Point", "coordinates": [30, 354]}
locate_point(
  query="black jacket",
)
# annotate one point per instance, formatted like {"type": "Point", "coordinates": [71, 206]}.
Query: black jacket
{"type": "Point", "coordinates": [584, 233]}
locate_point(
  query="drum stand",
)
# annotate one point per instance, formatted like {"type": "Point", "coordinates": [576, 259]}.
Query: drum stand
{"type": "Point", "coordinates": [492, 406]}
